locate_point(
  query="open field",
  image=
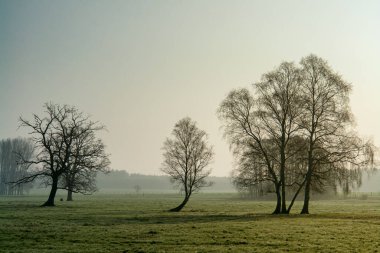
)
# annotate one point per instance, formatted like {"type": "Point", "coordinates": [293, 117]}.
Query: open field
{"type": "Point", "coordinates": [209, 223]}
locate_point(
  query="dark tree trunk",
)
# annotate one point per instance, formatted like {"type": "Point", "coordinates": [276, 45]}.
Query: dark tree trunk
{"type": "Point", "coordinates": [305, 208]}
{"type": "Point", "coordinates": [283, 183]}
{"type": "Point", "coordinates": [179, 208]}
{"type": "Point", "coordinates": [69, 195]}
{"type": "Point", "coordinates": [295, 196]}
{"type": "Point", "coordinates": [283, 198]}
{"type": "Point", "coordinates": [53, 191]}
{"type": "Point", "coordinates": [278, 205]}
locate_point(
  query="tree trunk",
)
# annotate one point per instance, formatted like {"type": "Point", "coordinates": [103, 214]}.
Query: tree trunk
{"type": "Point", "coordinates": [295, 196]}
{"type": "Point", "coordinates": [278, 206]}
{"type": "Point", "coordinates": [53, 191]}
{"type": "Point", "coordinates": [283, 183]}
{"type": "Point", "coordinates": [179, 208]}
{"type": "Point", "coordinates": [283, 199]}
{"type": "Point", "coordinates": [69, 195]}
{"type": "Point", "coordinates": [305, 208]}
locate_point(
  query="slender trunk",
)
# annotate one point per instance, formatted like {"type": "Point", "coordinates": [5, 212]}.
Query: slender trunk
{"type": "Point", "coordinates": [305, 208]}
{"type": "Point", "coordinates": [69, 195]}
{"type": "Point", "coordinates": [278, 206]}
{"type": "Point", "coordinates": [179, 208]}
{"type": "Point", "coordinates": [282, 172]}
{"type": "Point", "coordinates": [283, 187]}
{"type": "Point", "coordinates": [53, 191]}
{"type": "Point", "coordinates": [295, 196]}
{"type": "Point", "coordinates": [70, 187]}
{"type": "Point", "coordinates": [283, 198]}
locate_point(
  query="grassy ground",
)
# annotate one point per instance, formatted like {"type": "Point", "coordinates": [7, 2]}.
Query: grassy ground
{"type": "Point", "coordinates": [209, 223]}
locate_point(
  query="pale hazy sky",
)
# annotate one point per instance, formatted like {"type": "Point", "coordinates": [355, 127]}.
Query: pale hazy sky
{"type": "Point", "coordinates": [140, 66]}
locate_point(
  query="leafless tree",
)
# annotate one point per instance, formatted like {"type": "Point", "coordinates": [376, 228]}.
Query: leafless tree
{"type": "Point", "coordinates": [10, 170]}
{"type": "Point", "coordinates": [87, 158]}
{"type": "Point", "coordinates": [250, 176]}
{"type": "Point", "coordinates": [261, 125]}
{"type": "Point", "coordinates": [327, 124]}
{"type": "Point", "coordinates": [56, 137]}
{"type": "Point", "coordinates": [279, 107]}
{"type": "Point", "coordinates": [243, 130]}
{"type": "Point", "coordinates": [137, 188]}
{"type": "Point", "coordinates": [186, 157]}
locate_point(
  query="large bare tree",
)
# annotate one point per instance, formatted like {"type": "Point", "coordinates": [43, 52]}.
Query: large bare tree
{"type": "Point", "coordinates": [243, 130]}
{"type": "Point", "coordinates": [56, 136]}
{"type": "Point", "coordinates": [87, 158]}
{"type": "Point", "coordinates": [327, 124]}
{"type": "Point", "coordinates": [260, 125]}
{"type": "Point", "coordinates": [279, 108]}
{"type": "Point", "coordinates": [186, 157]}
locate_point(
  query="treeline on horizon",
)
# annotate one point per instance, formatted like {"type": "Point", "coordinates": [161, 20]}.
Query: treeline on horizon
{"type": "Point", "coordinates": [120, 181]}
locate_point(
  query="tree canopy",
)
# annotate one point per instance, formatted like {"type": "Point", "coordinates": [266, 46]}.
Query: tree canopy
{"type": "Point", "coordinates": [65, 144]}
{"type": "Point", "coordinates": [295, 130]}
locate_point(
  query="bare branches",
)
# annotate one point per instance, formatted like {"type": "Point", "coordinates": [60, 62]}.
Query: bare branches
{"type": "Point", "coordinates": [186, 157]}
{"type": "Point", "coordinates": [65, 144]}
{"type": "Point", "coordinates": [295, 130]}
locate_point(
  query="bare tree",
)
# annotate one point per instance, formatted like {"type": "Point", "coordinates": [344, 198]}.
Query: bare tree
{"type": "Point", "coordinates": [261, 125]}
{"type": "Point", "coordinates": [55, 137]}
{"type": "Point", "coordinates": [250, 176]}
{"type": "Point", "coordinates": [137, 188]}
{"type": "Point", "coordinates": [186, 157]}
{"type": "Point", "coordinates": [86, 159]}
{"type": "Point", "coordinates": [327, 123]}
{"type": "Point", "coordinates": [243, 130]}
{"type": "Point", "coordinates": [279, 107]}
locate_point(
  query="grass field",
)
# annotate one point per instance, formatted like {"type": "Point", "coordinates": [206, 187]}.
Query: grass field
{"type": "Point", "coordinates": [209, 223]}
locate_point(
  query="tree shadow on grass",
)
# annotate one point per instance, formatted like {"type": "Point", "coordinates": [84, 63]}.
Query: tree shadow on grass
{"type": "Point", "coordinates": [186, 218]}
{"type": "Point", "coordinates": [194, 218]}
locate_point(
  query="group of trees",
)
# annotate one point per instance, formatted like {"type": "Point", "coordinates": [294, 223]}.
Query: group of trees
{"type": "Point", "coordinates": [67, 152]}
{"type": "Point", "coordinates": [10, 170]}
{"type": "Point", "coordinates": [295, 132]}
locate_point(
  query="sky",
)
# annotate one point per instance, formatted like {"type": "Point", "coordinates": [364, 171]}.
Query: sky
{"type": "Point", "coordinates": [140, 66]}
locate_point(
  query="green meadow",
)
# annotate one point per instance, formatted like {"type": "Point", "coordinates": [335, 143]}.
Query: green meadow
{"type": "Point", "coordinates": [209, 223]}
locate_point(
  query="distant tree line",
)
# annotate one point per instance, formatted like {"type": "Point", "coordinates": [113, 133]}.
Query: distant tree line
{"type": "Point", "coordinates": [120, 181]}
{"type": "Point", "coordinates": [10, 169]}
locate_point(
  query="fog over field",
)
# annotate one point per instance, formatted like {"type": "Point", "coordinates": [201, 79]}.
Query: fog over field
{"type": "Point", "coordinates": [121, 182]}
{"type": "Point", "coordinates": [189, 126]}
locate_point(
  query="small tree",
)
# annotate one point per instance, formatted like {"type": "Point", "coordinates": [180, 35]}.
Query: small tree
{"type": "Point", "coordinates": [186, 157]}
{"type": "Point", "coordinates": [137, 188]}
{"type": "Point", "coordinates": [87, 158]}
